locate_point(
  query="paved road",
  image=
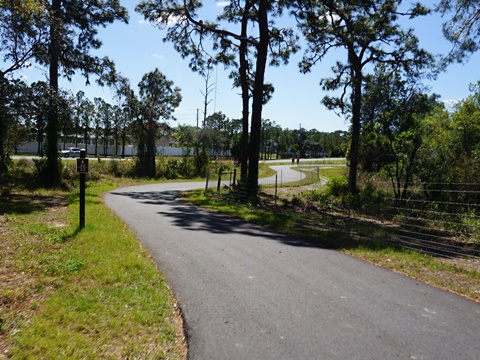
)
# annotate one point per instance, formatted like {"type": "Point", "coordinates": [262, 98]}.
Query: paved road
{"type": "Point", "coordinates": [248, 293]}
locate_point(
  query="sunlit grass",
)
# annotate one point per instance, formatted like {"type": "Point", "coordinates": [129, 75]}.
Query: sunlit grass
{"type": "Point", "coordinates": [89, 294]}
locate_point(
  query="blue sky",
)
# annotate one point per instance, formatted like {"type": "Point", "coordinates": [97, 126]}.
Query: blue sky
{"type": "Point", "coordinates": [137, 48]}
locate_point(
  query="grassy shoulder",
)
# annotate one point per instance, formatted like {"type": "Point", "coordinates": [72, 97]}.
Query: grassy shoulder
{"type": "Point", "coordinates": [457, 277]}
{"type": "Point", "coordinates": [94, 293]}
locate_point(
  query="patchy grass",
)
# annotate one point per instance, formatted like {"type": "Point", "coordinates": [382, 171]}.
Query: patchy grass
{"type": "Point", "coordinates": [65, 293]}
{"type": "Point", "coordinates": [459, 276]}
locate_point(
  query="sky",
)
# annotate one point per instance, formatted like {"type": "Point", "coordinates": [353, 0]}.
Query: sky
{"type": "Point", "coordinates": [137, 48]}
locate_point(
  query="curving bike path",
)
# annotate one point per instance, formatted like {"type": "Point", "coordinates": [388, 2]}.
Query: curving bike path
{"type": "Point", "coordinates": [249, 293]}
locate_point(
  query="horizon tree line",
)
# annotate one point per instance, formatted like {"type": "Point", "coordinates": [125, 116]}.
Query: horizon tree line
{"type": "Point", "coordinates": [60, 35]}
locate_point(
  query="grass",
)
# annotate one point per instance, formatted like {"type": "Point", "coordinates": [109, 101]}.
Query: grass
{"type": "Point", "coordinates": [96, 293]}
{"type": "Point", "coordinates": [65, 293]}
{"type": "Point", "coordinates": [332, 172]}
{"type": "Point", "coordinates": [265, 171]}
{"type": "Point", "coordinates": [460, 277]}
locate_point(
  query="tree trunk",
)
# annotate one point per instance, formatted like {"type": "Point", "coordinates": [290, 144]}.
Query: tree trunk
{"type": "Point", "coordinates": [151, 149]}
{"type": "Point", "coordinates": [124, 140]}
{"type": "Point", "coordinates": [3, 161]}
{"type": "Point", "coordinates": [243, 72]}
{"type": "Point", "coordinates": [257, 103]}
{"type": "Point", "coordinates": [356, 127]}
{"type": "Point", "coordinates": [52, 175]}
{"type": "Point", "coordinates": [96, 143]}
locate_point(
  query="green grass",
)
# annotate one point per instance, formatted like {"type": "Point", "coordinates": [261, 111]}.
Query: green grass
{"type": "Point", "coordinates": [332, 172]}
{"type": "Point", "coordinates": [94, 293]}
{"type": "Point", "coordinates": [265, 171]}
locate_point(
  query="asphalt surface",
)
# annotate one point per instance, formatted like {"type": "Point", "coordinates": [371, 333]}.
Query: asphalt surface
{"type": "Point", "coordinates": [248, 293]}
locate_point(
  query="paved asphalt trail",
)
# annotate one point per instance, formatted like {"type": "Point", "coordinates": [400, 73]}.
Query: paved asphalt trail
{"type": "Point", "coordinates": [247, 293]}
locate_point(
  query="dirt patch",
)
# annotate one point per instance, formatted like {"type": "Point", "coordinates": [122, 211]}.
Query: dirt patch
{"type": "Point", "coordinates": [471, 264]}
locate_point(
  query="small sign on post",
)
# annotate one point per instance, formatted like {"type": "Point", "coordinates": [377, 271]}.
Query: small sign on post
{"type": "Point", "coordinates": [82, 165]}
{"type": "Point", "coordinates": [82, 168]}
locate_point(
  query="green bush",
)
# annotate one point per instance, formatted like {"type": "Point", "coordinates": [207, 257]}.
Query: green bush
{"type": "Point", "coordinates": [371, 198]}
{"type": "Point", "coordinates": [40, 167]}
{"type": "Point", "coordinates": [335, 193]}
{"type": "Point", "coordinates": [171, 171]}
{"type": "Point", "coordinates": [22, 168]}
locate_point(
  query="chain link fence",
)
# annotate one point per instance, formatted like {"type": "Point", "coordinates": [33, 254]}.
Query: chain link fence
{"type": "Point", "coordinates": [438, 219]}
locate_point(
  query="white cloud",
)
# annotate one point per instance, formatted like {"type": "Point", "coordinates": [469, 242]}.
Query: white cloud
{"type": "Point", "coordinates": [172, 20]}
{"type": "Point", "coordinates": [222, 3]}
{"type": "Point", "coordinates": [158, 56]}
{"type": "Point", "coordinates": [331, 17]}
{"type": "Point", "coordinates": [451, 102]}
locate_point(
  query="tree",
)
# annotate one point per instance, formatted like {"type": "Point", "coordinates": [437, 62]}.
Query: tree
{"type": "Point", "coordinates": [106, 114]}
{"type": "Point", "coordinates": [77, 114]}
{"type": "Point", "coordinates": [66, 124]}
{"type": "Point", "coordinates": [186, 136]}
{"type": "Point", "coordinates": [189, 34]}
{"type": "Point", "coordinates": [97, 117]}
{"type": "Point", "coordinates": [85, 112]}
{"type": "Point", "coordinates": [158, 101]}
{"type": "Point", "coordinates": [393, 118]}
{"type": "Point", "coordinates": [129, 103]}
{"type": "Point", "coordinates": [450, 152]}
{"type": "Point", "coordinates": [22, 31]}
{"type": "Point", "coordinates": [216, 128]}
{"type": "Point", "coordinates": [209, 88]}
{"type": "Point", "coordinates": [12, 108]}
{"type": "Point", "coordinates": [72, 27]}
{"type": "Point", "coordinates": [462, 29]}
{"type": "Point", "coordinates": [38, 105]}
{"type": "Point", "coordinates": [120, 124]}
{"type": "Point", "coordinates": [370, 34]}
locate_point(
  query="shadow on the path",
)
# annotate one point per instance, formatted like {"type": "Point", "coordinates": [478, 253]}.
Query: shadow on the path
{"type": "Point", "coordinates": [189, 217]}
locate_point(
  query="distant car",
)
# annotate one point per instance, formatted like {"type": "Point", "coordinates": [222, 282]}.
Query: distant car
{"type": "Point", "coordinates": [71, 152]}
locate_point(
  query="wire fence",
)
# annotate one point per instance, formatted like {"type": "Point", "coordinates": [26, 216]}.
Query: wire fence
{"type": "Point", "coordinates": [438, 219]}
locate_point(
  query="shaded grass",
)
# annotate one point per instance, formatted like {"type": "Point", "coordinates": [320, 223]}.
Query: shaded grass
{"type": "Point", "coordinates": [329, 231]}
{"type": "Point", "coordinates": [94, 293]}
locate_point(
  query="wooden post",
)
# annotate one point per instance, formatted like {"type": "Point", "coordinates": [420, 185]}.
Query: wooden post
{"type": "Point", "coordinates": [219, 179]}
{"type": "Point", "coordinates": [82, 194]}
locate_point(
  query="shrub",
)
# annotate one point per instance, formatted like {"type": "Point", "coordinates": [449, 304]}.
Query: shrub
{"type": "Point", "coordinates": [371, 198]}
{"type": "Point", "coordinates": [22, 168]}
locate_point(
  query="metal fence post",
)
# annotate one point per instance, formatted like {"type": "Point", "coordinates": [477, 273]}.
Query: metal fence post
{"type": "Point", "coordinates": [276, 189]}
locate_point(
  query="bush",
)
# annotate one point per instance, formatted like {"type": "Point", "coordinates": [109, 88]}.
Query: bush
{"type": "Point", "coordinates": [121, 168]}
{"type": "Point", "coordinates": [371, 198]}
{"type": "Point", "coordinates": [40, 167]}
{"type": "Point", "coordinates": [22, 168]}
{"type": "Point", "coordinates": [171, 171]}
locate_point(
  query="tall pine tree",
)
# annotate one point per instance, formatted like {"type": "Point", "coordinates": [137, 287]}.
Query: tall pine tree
{"type": "Point", "coordinates": [73, 33]}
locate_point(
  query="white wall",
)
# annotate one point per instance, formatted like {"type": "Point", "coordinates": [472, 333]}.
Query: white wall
{"type": "Point", "coordinates": [130, 150]}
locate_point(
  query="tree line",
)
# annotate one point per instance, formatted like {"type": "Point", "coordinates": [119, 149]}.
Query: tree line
{"type": "Point", "coordinates": [247, 37]}
{"type": "Point", "coordinates": [83, 121]}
